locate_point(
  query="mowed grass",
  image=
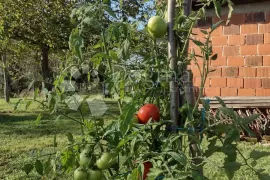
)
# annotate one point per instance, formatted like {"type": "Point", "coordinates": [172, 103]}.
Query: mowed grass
{"type": "Point", "coordinates": [22, 138]}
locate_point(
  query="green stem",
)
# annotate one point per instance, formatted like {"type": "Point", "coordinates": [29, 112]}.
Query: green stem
{"type": "Point", "coordinates": [110, 64]}
{"type": "Point", "coordinates": [158, 68]}
{"type": "Point", "coordinates": [82, 119]}
{"type": "Point", "coordinates": [44, 105]}
{"type": "Point", "coordinates": [203, 76]}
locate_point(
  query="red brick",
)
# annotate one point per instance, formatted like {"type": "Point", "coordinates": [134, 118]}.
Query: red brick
{"type": "Point", "coordinates": [216, 72]}
{"type": "Point", "coordinates": [264, 49]}
{"type": "Point", "coordinates": [236, 61]}
{"type": "Point", "coordinates": [205, 22]}
{"type": "Point", "coordinates": [236, 40]}
{"type": "Point", "coordinates": [196, 72]}
{"type": "Point", "coordinates": [255, 17]}
{"type": "Point", "coordinates": [252, 83]}
{"type": "Point", "coordinates": [267, 17]}
{"type": "Point", "coordinates": [231, 51]}
{"type": "Point", "coordinates": [216, 19]}
{"type": "Point", "coordinates": [228, 91]}
{"type": "Point", "coordinates": [267, 38]}
{"type": "Point", "coordinates": [230, 71]}
{"type": "Point", "coordinates": [264, 28]}
{"type": "Point", "coordinates": [248, 50]}
{"type": "Point", "coordinates": [262, 92]}
{"type": "Point", "coordinates": [219, 40]}
{"type": "Point", "coordinates": [237, 19]}
{"type": "Point", "coordinates": [218, 31]}
{"type": "Point", "coordinates": [266, 82]}
{"type": "Point", "coordinates": [249, 28]}
{"type": "Point", "coordinates": [254, 39]}
{"type": "Point", "coordinates": [266, 60]}
{"type": "Point", "coordinates": [218, 82]}
{"type": "Point", "coordinates": [191, 43]}
{"type": "Point", "coordinates": [217, 50]}
{"type": "Point", "coordinates": [263, 71]}
{"type": "Point", "coordinates": [196, 50]}
{"type": "Point", "coordinates": [247, 72]}
{"type": "Point", "coordinates": [197, 82]}
{"type": "Point", "coordinates": [235, 82]}
{"type": "Point", "coordinates": [246, 92]}
{"type": "Point", "coordinates": [198, 32]}
{"type": "Point", "coordinates": [199, 61]}
{"type": "Point", "coordinates": [254, 61]}
{"type": "Point", "coordinates": [212, 91]}
{"type": "Point", "coordinates": [231, 29]}
{"type": "Point", "coordinates": [199, 38]}
{"type": "Point", "coordinates": [220, 61]}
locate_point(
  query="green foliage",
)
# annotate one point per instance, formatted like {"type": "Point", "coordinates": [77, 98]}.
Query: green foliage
{"type": "Point", "coordinates": [130, 58]}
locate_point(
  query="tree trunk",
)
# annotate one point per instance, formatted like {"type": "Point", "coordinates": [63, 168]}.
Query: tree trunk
{"type": "Point", "coordinates": [46, 74]}
{"type": "Point", "coordinates": [6, 77]}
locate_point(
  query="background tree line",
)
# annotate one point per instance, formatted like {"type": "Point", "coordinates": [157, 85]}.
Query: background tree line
{"type": "Point", "coordinates": [34, 37]}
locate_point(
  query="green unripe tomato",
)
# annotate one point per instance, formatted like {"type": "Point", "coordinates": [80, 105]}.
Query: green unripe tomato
{"type": "Point", "coordinates": [165, 84]}
{"type": "Point", "coordinates": [157, 27]}
{"type": "Point", "coordinates": [94, 175]}
{"type": "Point", "coordinates": [80, 174]}
{"type": "Point", "coordinates": [105, 161]}
{"type": "Point", "coordinates": [84, 158]}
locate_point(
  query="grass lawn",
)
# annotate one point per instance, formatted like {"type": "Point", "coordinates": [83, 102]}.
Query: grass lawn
{"type": "Point", "coordinates": [20, 137]}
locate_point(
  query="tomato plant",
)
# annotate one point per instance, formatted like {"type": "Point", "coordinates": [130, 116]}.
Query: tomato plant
{"type": "Point", "coordinates": [128, 58]}
{"type": "Point", "coordinates": [147, 112]}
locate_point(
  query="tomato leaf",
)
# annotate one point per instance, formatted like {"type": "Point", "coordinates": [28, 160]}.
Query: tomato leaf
{"type": "Point", "coordinates": [232, 135]}
{"type": "Point", "coordinates": [28, 168]}
{"type": "Point", "coordinates": [220, 101]}
{"type": "Point", "coordinates": [38, 118]}
{"type": "Point", "coordinates": [198, 43]}
{"type": "Point", "coordinates": [214, 57]}
{"type": "Point", "coordinates": [179, 157]}
{"type": "Point", "coordinates": [39, 167]}
{"type": "Point", "coordinates": [70, 137]}
{"type": "Point", "coordinates": [127, 117]}
{"type": "Point", "coordinates": [28, 104]}
{"type": "Point", "coordinates": [217, 8]}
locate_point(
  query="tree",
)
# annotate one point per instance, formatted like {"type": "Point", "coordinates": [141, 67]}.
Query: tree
{"type": "Point", "coordinates": [45, 24]}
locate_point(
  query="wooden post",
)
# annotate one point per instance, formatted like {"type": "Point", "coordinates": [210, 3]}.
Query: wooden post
{"type": "Point", "coordinates": [172, 55]}
{"type": "Point", "coordinates": [190, 99]}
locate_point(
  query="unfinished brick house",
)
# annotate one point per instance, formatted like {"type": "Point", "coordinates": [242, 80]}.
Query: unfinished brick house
{"type": "Point", "coordinates": [243, 48]}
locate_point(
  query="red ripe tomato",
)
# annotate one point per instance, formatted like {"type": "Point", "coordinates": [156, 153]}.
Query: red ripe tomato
{"type": "Point", "coordinates": [147, 166]}
{"type": "Point", "coordinates": [147, 112]}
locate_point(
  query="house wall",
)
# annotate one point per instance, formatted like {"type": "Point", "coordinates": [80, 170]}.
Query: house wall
{"type": "Point", "coordinates": [243, 47]}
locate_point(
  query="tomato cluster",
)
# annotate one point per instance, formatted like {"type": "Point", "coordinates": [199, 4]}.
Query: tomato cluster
{"type": "Point", "coordinates": [85, 172]}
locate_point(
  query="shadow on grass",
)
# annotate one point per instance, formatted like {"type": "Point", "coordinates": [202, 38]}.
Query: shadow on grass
{"type": "Point", "coordinates": [13, 117]}
{"type": "Point", "coordinates": [25, 124]}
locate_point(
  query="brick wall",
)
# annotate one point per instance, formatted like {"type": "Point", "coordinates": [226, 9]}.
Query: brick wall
{"type": "Point", "coordinates": [243, 47]}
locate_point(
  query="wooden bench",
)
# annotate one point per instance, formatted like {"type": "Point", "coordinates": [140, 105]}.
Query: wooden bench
{"type": "Point", "coordinates": [237, 102]}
